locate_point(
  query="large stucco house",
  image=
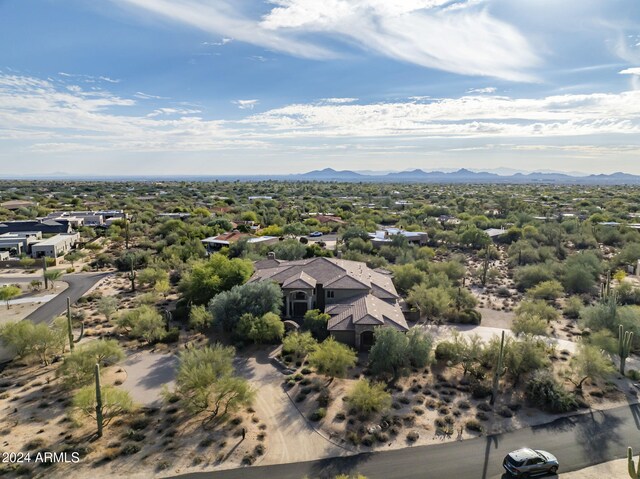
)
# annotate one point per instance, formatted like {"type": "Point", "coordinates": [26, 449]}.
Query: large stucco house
{"type": "Point", "coordinates": [358, 298]}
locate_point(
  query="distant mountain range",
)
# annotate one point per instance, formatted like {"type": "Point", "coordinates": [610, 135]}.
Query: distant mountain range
{"type": "Point", "coordinates": [464, 175]}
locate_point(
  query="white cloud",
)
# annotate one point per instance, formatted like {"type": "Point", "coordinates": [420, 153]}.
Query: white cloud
{"type": "Point", "coordinates": [222, 42]}
{"type": "Point", "coordinates": [221, 17]}
{"type": "Point", "coordinates": [483, 90]}
{"type": "Point", "coordinates": [40, 116]}
{"type": "Point", "coordinates": [245, 104]}
{"type": "Point", "coordinates": [630, 71]}
{"type": "Point", "coordinates": [338, 101]}
{"type": "Point", "coordinates": [469, 42]}
{"type": "Point", "coordinates": [172, 111]}
{"type": "Point", "coordinates": [453, 36]}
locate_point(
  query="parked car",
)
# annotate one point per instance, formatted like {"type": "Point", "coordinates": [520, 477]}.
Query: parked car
{"type": "Point", "coordinates": [315, 234]}
{"type": "Point", "coordinates": [528, 462]}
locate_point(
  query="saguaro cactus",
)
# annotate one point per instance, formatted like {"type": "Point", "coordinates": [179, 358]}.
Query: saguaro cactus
{"type": "Point", "coordinates": [126, 231]}
{"type": "Point", "coordinates": [634, 472]}
{"type": "Point", "coordinates": [498, 372]}
{"type": "Point", "coordinates": [70, 327]}
{"type": "Point", "coordinates": [485, 267]}
{"type": "Point", "coordinates": [44, 272]}
{"type": "Point", "coordinates": [625, 340]}
{"type": "Point", "coordinates": [132, 276]}
{"type": "Point", "coordinates": [99, 417]}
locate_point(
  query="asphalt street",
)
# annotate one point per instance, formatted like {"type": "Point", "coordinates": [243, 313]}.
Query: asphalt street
{"type": "Point", "coordinates": [79, 284]}
{"type": "Point", "coordinates": [578, 441]}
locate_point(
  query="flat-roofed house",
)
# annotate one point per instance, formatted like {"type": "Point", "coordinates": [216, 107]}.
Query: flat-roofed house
{"type": "Point", "coordinates": [56, 246]}
{"type": "Point", "coordinates": [46, 226]}
{"type": "Point", "coordinates": [18, 243]}
{"type": "Point", "coordinates": [358, 298]}
{"type": "Point", "coordinates": [216, 243]}
{"type": "Point", "coordinates": [385, 236]}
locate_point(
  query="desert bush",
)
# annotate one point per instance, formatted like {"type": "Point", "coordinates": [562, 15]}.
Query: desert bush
{"type": "Point", "coordinates": [545, 392]}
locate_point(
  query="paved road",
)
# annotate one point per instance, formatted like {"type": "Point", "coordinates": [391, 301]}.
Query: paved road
{"type": "Point", "coordinates": [578, 441]}
{"type": "Point", "coordinates": [79, 284]}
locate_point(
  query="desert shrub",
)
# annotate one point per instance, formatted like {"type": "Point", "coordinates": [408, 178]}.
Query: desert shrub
{"type": "Point", "coordinates": [318, 414]}
{"type": "Point", "coordinates": [447, 351]}
{"type": "Point", "coordinates": [529, 324]}
{"type": "Point", "coordinates": [572, 307]}
{"type": "Point", "coordinates": [548, 290]}
{"type": "Point", "coordinates": [467, 316]}
{"type": "Point", "coordinates": [474, 425]}
{"type": "Point", "coordinates": [413, 436]}
{"type": "Point", "coordinates": [366, 397]}
{"type": "Point", "coordinates": [480, 390]}
{"type": "Point", "coordinates": [545, 392]}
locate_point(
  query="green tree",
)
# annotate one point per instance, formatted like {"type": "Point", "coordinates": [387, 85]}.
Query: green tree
{"type": "Point", "coordinates": [589, 363]}
{"type": "Point", "coordinates": [150, 276]}
{"type": "Point", "coordinates": [432, 302]}
{"type": "Point", "coordinates": [7, 293]}
{"type": "Point", "coordinates": [298, 344]}
{"type": "Point", "coordinates": [366, 397]}
{"type": "Point", "coordinates": [419, 345]}
{"type": "Point", "coordinates": [45, 341]}
{"type": "Point", "coordinates": [78, 367]}
{"type": "Point", "coordinates": [406, 276]}
{"type": "Point", "coordinates": [107, 306]}
{"type": "Point", "coordinates": [256, 298]}
{"type": "Point", "coordinates": [207, 278]}
{"type": "Point", "coordinates": [332, 358]}
{"type": "Point", "coordinates": [115, 402]}
{"type": "Point", "coordinates": [144, 322]}
{"type": "Point", "coordinates": [53, 275]}
{"type": "Point", "coordinates": [389, 355]}
{"type": "Point", "coordinates": [205, 381]}
{"type": "Point", "coordinates": [267, 328]}
{"type": "Point", "coordinates": [73, 256]}
{"type": "Point", "coordinates": [18, 336]}
{"type": "Point", "coordinates": [290, 250]}
{"type": "Point", "coordinates": [316, 322]}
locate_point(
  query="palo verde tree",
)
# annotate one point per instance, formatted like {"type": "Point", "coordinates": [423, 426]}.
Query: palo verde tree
{"type": "Point", "coordinates": [332, 358]}
{"type": "Point", "coordinates": [206, 382]}
{"type": "Point", "coordinates": [7, 293]}
{"type": "Point", "coordinates": [102, 403]}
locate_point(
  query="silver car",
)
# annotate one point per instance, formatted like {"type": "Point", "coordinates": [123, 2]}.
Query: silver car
{"type": "Point", "coordinates": [527, 462]}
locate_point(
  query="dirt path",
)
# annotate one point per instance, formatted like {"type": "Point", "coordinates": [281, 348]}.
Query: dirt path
{"type": "Point", "coordinates": [291, 439]}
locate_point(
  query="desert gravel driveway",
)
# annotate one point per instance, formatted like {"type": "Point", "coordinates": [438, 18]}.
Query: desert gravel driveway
{"type": "Point", "coordinates": [291, 437]}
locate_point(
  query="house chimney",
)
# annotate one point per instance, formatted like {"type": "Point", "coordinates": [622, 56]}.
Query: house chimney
{"type": "Point", "coordinates": [271, 255]}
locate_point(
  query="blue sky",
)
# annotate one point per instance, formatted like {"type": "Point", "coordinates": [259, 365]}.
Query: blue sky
{"type": "Point", "coordinates": [281, 86]}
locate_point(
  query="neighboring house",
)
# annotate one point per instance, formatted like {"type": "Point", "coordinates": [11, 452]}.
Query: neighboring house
{"type": "Point", "coordinates": [385, 236]}
{"type": "Point", "coordinates": [215, 243]}
{"type": "Point", "coordinates": [494, 233]}
{"type": "Point", "coordinates": [358, 298]}
{"type": "Point", "coordinates": [45, 226]}
{"type": "Point", "coordinates": [55, 246]}
{"type": "Point", "coordinates": [18, 243]}
{"type": "Point", "coordinates": [86, 218]}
